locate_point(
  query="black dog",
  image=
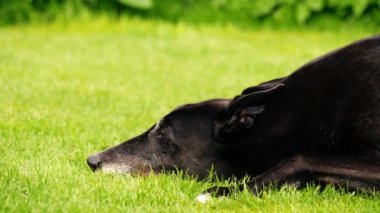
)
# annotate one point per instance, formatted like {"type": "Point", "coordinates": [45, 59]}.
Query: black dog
{"type": "Point", "coordinates": [320, 124]}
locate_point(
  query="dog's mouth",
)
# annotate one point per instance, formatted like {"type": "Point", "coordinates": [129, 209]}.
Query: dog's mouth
{"type": "Point", "coordinates": [115, 165]}
{"type": "Point", "coordinates": [115, 168]}
{"type": "Point", "coordinates": [142, 169]}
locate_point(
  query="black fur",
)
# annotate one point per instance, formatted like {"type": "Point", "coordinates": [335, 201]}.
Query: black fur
{"type": "Point", "coordinates": [320, 124]}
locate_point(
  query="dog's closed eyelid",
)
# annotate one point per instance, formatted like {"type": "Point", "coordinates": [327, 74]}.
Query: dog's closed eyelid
{"type": "Point", "coordinates": [164, 134]}
{"type": "Point", "coordinates": [161, 135]}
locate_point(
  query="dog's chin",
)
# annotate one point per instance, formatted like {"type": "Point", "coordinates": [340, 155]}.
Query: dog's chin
{"type": "Point", "coordinates": [116, 169]}
{"type": "Point", "coordinates": [123, 169]}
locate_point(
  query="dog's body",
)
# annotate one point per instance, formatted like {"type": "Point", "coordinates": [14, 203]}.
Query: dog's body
{"type": "Point", "coordinates": [321, 124]}
{"type": "Point", "coordinates": [328, 106]}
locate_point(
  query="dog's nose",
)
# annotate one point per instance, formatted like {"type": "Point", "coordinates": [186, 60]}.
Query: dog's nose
{"type": "Point", "coordinates": [94, 162]}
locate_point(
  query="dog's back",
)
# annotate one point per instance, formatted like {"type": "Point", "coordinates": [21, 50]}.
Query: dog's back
{"type": "Point", "coordinates": [341, 92]}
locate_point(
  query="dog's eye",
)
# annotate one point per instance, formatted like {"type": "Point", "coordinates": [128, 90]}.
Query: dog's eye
{"type": "Point", "coordinates": [166, 143]}
{"type": "Point", "coordinates": [162, 136]}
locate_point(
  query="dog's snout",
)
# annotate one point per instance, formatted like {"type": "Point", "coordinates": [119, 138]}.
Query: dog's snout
{"type": "Point", "coordinates": [94, 162]}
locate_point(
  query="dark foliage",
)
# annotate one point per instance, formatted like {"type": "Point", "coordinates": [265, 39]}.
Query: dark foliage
{"type": "Point", "coordinates": [285, 12]}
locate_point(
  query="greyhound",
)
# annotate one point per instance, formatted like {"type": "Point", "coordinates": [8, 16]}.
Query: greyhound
{"type": "Point", "coordinates": [320, 124]}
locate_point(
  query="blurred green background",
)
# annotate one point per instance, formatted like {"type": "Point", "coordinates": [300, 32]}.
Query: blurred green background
{"type": "Point", "coordinates": [79, 76]}
{"type": "Point", "coordinates": [239, 12]}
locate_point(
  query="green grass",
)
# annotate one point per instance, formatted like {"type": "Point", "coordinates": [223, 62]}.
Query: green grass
{"type": "Point", "coordinates": [71, 90]}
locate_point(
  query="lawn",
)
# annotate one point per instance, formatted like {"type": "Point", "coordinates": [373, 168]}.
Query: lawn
{"type": "Point", "coordinates": [69, 90]}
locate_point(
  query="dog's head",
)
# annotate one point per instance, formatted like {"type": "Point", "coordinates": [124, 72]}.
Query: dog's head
{"type": "Point", "coordinates": [180, 140]}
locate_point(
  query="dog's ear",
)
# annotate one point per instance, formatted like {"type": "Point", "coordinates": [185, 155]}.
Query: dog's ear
{"type": "Point", "coordinates": [229, 127]}
{"type": "Point", "coordinates": [247, 115]}
{"type": "Point", "coordinates": [264, 86]}
{"type": "Point", "coordinates": [240, 114]}
{"type": "Point", "coordinates": [254, 98]}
